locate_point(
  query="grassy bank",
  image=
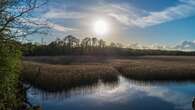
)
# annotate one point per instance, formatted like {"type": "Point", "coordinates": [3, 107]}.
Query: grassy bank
{"type": "Point", "coordinates": [66, 77]}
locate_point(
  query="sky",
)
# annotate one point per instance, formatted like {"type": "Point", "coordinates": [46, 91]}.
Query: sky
{"type": "Point", "coordinates": [139, 23]}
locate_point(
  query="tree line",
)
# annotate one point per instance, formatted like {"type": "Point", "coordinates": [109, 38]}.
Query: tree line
{"type": "Point", "coordinates": [71, 45]}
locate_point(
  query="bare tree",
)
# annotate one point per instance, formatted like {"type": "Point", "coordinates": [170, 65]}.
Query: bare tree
{"type": "Point", "coordinates": [71, 41]}
{"type": "Point", "coordinates": [14, 20]}
{"type": "Point", "coordinates": [56, 43]}
{"type": "Point", "coordinates": [102, 43]}
{"type": "Point", "coordinates": [94, 42]}
{"type": "Point", "coordinates": [86, 42]}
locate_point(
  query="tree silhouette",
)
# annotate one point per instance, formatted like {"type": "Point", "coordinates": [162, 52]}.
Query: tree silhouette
{"type": "Point", "coordinates": [102, 43]}
{"type": "Point", "coordinates": [94, 42]}
{"type": "Point", "coordinates": [70, 41]}
{"type": "Point", "coordinates": [113, 45]}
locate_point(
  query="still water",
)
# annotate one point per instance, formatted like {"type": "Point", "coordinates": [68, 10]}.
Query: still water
{"type": "Point", "coordinates": [122, 95]}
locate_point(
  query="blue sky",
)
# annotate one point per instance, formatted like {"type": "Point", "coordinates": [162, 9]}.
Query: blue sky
{"type": "Point", "coordinates": [146, 22]}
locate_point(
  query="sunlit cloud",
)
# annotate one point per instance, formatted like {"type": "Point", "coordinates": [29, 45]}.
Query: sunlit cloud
{"type": "Point", "coordinates": [132, 19]}
{"type": "Point", "coordinates": [184, 46]}
{"type": "Point", "coordinates": [152, 46]}
{"type": "Point", "coordinates": [59, 27]}
{"type": "Point", "coordinates": [41, 22]}
{"type": "Point", "coordinates": [128, 15]}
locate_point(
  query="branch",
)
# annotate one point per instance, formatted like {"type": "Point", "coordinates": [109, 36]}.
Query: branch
{"type": "Point", "coordinates": [12, 18]}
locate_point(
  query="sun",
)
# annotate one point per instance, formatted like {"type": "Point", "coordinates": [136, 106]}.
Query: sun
{"type": "Point", "coordinates": [101, 27]}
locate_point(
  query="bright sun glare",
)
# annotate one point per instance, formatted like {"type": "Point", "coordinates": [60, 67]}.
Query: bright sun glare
{"type": "Point", "coordinates": [101, 27]}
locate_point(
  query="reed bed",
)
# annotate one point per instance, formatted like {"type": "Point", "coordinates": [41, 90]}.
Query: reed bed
{"type": "Point", "coordinates": [156, 69]}
{"type": "Point", "coordinates": [66, 77]}
{"type": "Point", "coordinates": [67, 60]}
{"type": "Point", "coordinates": [52, 75]}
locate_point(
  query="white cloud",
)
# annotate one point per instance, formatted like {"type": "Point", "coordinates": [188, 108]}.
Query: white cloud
{"type": "Point", "coordinates": [183, 46]}
{"type": "Point", "coordinates": [62, 14]}
{"type": "Point", "coordinates": [186, 45]}
{"type": "Point", "coordinates": [169, 14]}
{"type": "Point", "coordinates": [152, 46]}
{"type": "Point", "coordinates": [127, 14]}
{"type": "Point", "coordinates": [59, 27]}
{"type": "Point", "coordinates": [134, 18]}
{"type": "Point", "coordinates": [40, 22]}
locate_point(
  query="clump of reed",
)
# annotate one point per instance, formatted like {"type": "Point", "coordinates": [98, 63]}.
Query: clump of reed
{"type": "Point", "coordinates": [66, 77]}
{"type": "Point", "coordinates": [156, 69]}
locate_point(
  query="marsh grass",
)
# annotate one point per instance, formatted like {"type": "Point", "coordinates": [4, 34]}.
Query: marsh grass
{"type": "Point", "coordinates": [66, 77]}
{"type": "Point", "coordinates": [55, 75]}
{"type": "Point", "coordinates": [67, 60]}
{"type": "Point", "coordinates": [156, 69]}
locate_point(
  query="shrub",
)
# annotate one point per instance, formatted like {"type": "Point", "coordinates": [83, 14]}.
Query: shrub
{"type": "Point", "coordinates": [10, 97]}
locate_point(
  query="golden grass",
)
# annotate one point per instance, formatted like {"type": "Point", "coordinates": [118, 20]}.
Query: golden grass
{"type": "Point", "coordinates": [156, 69]}
{"type": "Point", "coordinates": [65, 77]}
{"type": "Point", "coordinates": [87, 71]}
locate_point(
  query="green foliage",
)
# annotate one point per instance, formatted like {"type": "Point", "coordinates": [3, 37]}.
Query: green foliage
{"type": "Point", "coordinates": [10, 97]}
{"type": "Point", "coordinates": [11, 28]}
{"type": "Point", "coordinates": [9, 56]}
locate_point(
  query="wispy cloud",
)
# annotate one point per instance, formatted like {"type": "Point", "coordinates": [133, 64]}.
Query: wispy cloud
{"type": "Point", "coordinates": [41, 22]}
{"type": "Point", "coordinates": [127, 14]}
{"type": "Point", "coordinates": [131, 18]}
{"type": "Point", "coordinates": [59, 27]}
{"type": "Point", "coordinates": [62, 14]}
{"type": "Point", "coordinates": [185, 9]}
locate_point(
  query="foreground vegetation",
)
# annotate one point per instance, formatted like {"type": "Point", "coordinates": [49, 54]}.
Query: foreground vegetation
{"type": "Point", "coordinates": [49, 74]}
{"type": "Point", "coordinates": [12, 27]}
{"type": "Point", "coordinates": [11, 95]}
